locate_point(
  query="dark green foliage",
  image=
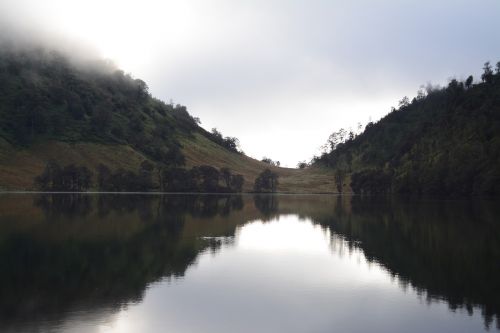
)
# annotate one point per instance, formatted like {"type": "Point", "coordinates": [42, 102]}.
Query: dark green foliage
{"type": "Point", "coordinates": [446, 142]}
{"type": "Point", "coordinates": [126, 181]}
{"type": "Point", "coordinates": [225, 174]}
{"type": "Point", "coordinates": [371, 182]}
{"type": "Point", "coordinates": [469, 81]}
{"type": "Point", "coordinates": [232, 183]}
{"type": "Point", "coordinates": [70, 178]}
{"type": "Point", "coordinates": [206, 178]}
{"type": "Point", "coordinates": [487, 75]}
{"type": "Point", "coordinates": [267, 181]}
{"type": "Point", "coordinates": [177, 180]}
{"type": "Point", "coordinates": [270, 161]}
{"type": "Point", "coordinates": [46, 96]}
{"type": "Point", "coordinates": [202, 178]}
{"type": "Point", "coordinates": [146, 175]}
{"type": "Point", "coordinates": [230, 143]}
{"type": "Point", "coordinates": [104, 178]}
{"type": "Point", "coordinates": [237, 182]}
{"type": "Point", "coordinates": [302, 165]}
{"type": "Point", "coordinates": [339, 179]}
{"type": "Point", "coordinates": [43, 95]}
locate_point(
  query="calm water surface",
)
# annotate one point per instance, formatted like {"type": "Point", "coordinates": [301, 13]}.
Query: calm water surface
{"type": "Point", "coordinates": [151, 263]}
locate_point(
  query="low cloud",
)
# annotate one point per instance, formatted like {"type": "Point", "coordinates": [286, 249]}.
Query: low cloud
{"type": "Point", "coordinates": [278, 73]}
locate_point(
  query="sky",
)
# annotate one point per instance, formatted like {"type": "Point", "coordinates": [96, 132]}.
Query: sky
{"type": "Point", "coordinates": [280, 75]}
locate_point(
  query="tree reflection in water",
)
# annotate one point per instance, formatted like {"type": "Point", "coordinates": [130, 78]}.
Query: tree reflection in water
{"type": "Point", "coordinates": [90, 252]}
{"type": "Point", "coordinates": [62, 253]}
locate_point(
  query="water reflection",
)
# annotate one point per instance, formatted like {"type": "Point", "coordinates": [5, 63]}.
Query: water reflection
{"type": "Point", "coordinates": [92, 257]}
{"type": "Point", "coordinates": [69, 253]}
{"type": "Point", "coordinates": [445, 249]}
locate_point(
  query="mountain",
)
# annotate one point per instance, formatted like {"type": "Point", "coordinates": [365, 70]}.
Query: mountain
{"type": "Point", "coordinates": [445, 141]}
{"type": "Point", "coordinates": [57, 111]}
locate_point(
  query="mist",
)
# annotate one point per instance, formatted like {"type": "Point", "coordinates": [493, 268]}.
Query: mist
{"type": "Point", "coordinates": [279, 75]}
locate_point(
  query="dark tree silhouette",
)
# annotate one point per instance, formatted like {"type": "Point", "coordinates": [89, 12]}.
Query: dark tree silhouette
{"type": "Point", "coordinates": [237, 182]}
{"type": "Point", "coordinates": [228, 142]}
{"type": "Point", "coordinates": [226, 176]}
{"type": "Point", "coordinates": [69, 178]}
{"type": "Point", "coordinates": [339, 179]}
{"type": "Point", "coordinates": [468, 82]}
{"type": "Point", "coordinates": [267, 181]}
{"type": "Point", "coordinates": [302, 165]}
{"type": "Point", "coordinates": [103, 178]}
{"type": "Point", "coordinates": [487, 73]}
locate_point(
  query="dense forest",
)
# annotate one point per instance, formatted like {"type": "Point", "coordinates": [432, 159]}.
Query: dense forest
{"type": "Point", "coordinates": [46, 95]}
{"type": "Point", "coordinates": [202, 179]}
{"type": "Point", "coordinates": [445, 141]}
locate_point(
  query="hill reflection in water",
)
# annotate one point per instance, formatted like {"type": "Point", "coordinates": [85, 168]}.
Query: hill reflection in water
{"type": "Point", "coordinates": [68, 256]}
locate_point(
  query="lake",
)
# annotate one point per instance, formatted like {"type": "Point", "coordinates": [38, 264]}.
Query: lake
{"type": "Point", "coordinates": [271, 263]}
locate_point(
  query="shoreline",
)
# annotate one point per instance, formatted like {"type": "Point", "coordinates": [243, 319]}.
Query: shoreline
{"type": "Point", "coordinates": [177, 193]}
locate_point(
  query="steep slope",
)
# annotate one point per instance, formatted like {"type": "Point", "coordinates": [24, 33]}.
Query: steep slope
{"type": "Point", "coordinates": [446, 142]}
{"type": "Point", "coordinates": [84, 113]}
{"type": "Point", "coordinates": [53, 108]}
{"type": "Point", "coordinates": [47, 96]}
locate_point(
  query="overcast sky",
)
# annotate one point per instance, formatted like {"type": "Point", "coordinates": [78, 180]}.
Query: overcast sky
{"type": "Point", "coordinates": [279, 75]}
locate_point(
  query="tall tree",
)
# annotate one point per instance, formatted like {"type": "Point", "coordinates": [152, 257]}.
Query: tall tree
{"type": "Point", "coordinates": [468, 82]}
{"type": "Point", "coordinates": [487, 75]}
{"type": "Point", "coordinates": [226, 177]}
{"type": "Point", "coordinates": [267, 181]}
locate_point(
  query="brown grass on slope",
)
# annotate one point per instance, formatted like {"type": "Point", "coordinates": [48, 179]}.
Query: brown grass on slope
{"type": "Point", "coordinates": [200, 150]}
{"type": "Point", "coordinates": [19, 166]}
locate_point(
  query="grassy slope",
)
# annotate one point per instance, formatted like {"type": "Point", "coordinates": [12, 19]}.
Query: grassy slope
{"type": "Point", "coordinates": [18, 166]}
{"type": "Point", "coordinates": [54, 109]}
{"type": "Point", "coordinates": [199, 150]}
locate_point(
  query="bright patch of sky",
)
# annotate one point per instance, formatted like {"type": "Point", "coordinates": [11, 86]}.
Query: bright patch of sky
{"type": "Point", "coordinates": [280, 75]}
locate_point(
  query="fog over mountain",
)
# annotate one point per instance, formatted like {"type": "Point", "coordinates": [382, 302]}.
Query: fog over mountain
{"type": "Point", "coordinates": [279, 75]}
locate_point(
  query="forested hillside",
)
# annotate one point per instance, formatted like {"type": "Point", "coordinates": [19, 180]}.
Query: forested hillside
{"type": "Point", "coordinates": [445, 141]}
{"type": "Point", "coordinates": [45, 96]}
{"type": "Point", "coordinates": [49, 98]}
{"type": "Point", "coordinates": [68, 125]}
